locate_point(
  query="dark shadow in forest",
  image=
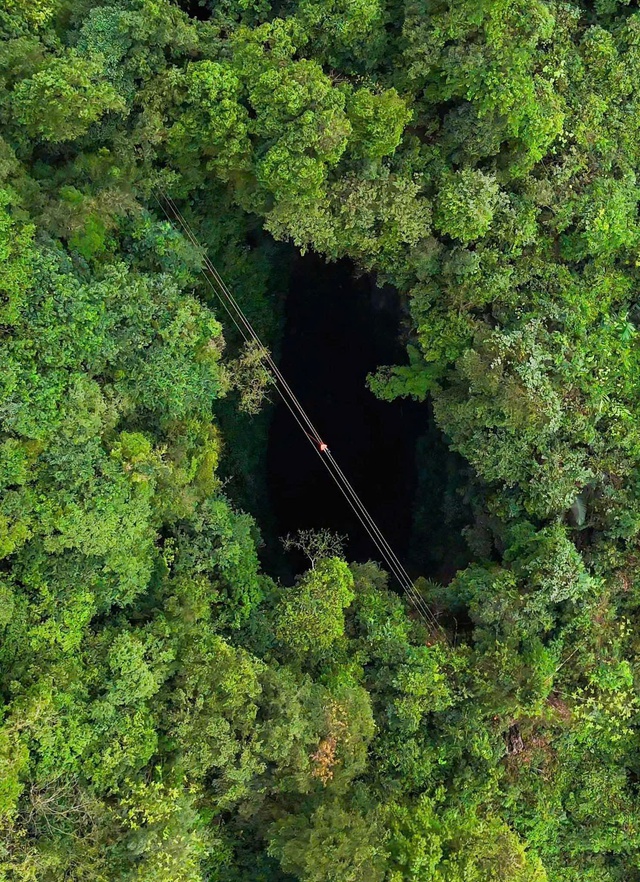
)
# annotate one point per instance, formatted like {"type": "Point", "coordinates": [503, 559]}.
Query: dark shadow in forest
{"type": "Point", "coordinates": [338, 329]}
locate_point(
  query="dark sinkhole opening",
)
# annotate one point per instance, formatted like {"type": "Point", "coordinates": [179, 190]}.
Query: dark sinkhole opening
{"type": "Point", "coordinates": [339, 328]}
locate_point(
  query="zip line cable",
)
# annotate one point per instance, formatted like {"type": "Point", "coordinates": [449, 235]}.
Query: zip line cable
{"type": "Point", "coordinates": [228, 294]}
{"type": "Point", "coordinates": [350, 495]}
{"type": "Point", "coordinates": [340, 479]}
{"type": "Point", "coordinates": [352, 498]}
{"type": "Point", "coordinates": [404, 578]}
{"type": "Point", "coordinates": [226, 297]}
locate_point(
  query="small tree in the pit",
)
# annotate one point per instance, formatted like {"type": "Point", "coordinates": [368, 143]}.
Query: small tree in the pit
{"type": "Point", "coordinates": [316, 544]}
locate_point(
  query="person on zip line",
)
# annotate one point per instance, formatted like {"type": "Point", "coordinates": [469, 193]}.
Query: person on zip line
{"type": "Point", "coordinates": [322, 447]}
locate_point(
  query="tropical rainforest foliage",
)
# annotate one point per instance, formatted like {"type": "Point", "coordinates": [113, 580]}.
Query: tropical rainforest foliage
{"type": "Point", "coordinates": [169, 712]}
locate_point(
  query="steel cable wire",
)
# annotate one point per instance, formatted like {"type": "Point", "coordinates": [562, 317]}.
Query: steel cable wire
{"type": "Point", "coordinates": [226, 297]}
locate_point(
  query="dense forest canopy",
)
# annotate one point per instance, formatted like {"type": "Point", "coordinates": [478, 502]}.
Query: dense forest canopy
{"type": "Point", "coordinates": [169, 711]}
